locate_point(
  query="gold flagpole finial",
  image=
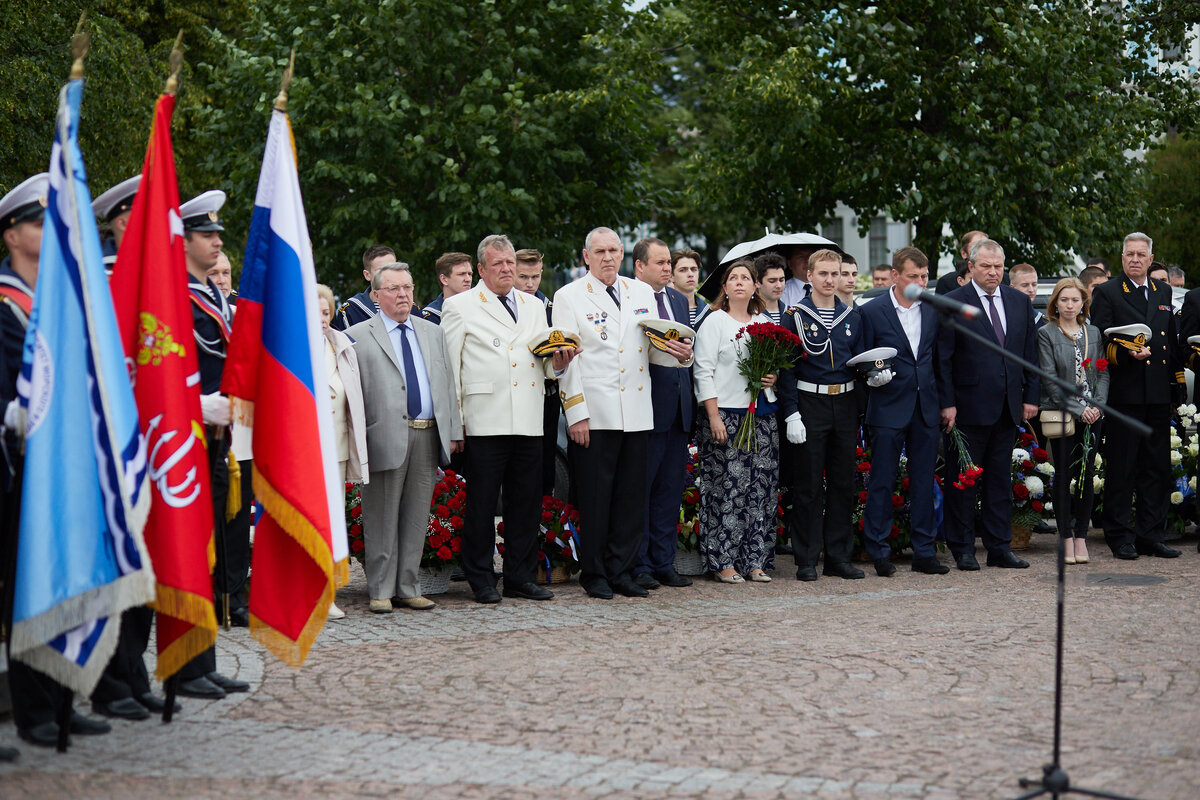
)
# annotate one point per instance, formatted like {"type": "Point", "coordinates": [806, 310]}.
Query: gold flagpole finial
{"type": "Point", "coordinates": [176, 64]}
{"type": "Point", "coordinates": [282, 98]}
{"type": "Point", "coordinates": [79, 48]}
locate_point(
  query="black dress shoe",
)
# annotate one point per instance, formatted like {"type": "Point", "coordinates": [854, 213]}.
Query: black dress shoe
{"type": "Point", "coordinates": [784, 550]}
{"type": "Point", "coordinates": [124, 708]}
{"type": "Point", "coordinates": [239, 617]}
{"type": "Point", "coordinates": [8, 754]}
{"type": "Point", "coordinates": [884, 568]}
{"type": "Point", "coordinates": [87, 727]}
{"type": "Point", "coordinates": [527, 591]}
{"type": "Point", "coordinates": [646, 581]}
{"type": "Point", "coordinates": [599, 589]}
{"type": "Point", "coordinates": [1156, 549]}
{"type": "Point", "coordinates": [672, 578]}
{"type": "Point", "coordinates": [228, 684]}
{"type": "Point", "coordinates": [931, 566]}
{"type": "Point", "coordinates": [1006, 559]}
{"type": "Point", "coordinates": [847, 571]}
{"type": "Point", "coordinates": [629, 588]}
{"type": "Point", "coordinates": [200, 687]}
{"type": "Point", "coordinates": [806, 573]}
{"type": "Point", "coordinates": [1126, 552]}
{"type": "Point", "coordinates": [487, 595]}
{"type": "Point", "coordinates": [44, 735]}
{"type": "Point", "coordinates": [966, 562]}
{"type": "Point", "coordinates": [157, 704]}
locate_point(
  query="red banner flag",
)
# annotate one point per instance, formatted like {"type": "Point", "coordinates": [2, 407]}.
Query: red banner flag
{"type": "Point", "coordinates": [150, 295]}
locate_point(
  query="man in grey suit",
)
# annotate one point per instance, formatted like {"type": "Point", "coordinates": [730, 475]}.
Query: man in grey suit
{"type": "Point", "coordinates": [413, 424]}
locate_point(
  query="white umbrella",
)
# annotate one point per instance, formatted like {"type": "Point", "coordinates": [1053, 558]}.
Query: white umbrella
{"type": "Point", "coordinates": [770, 240]}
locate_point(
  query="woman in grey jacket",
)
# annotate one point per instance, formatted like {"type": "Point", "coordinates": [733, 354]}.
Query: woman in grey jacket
{"type": "Point", "coordinates": [1070, 348]}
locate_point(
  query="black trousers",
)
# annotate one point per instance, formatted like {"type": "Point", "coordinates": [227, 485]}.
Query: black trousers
{"type": "Point", "coordinates": [991, 448]}
{"type": "Point", "coordinates": [512, 463]}
{"type": "Point", "coordinates": [233, 560]}
{"type": "Point", "coordinates": [550, 412]}
{"type": "Point", "coordinates": [218, 447]}
{"type": "Point", "coordinates": [1136, 464]}
{"type": "Point", "coordinates": [609, 477]}
{"type": "Point", "coordinates": [1073, 509]}
{"type": "Point", "coordinates": [824, 478]}
{"type": "Point", "coordinates": [126, 675]}
{"type": "Point", "coordinates": [666, 469]}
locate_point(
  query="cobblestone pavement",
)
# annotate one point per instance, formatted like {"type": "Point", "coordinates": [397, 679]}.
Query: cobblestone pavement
{"type": "Point", "coordinates": [918, 686]}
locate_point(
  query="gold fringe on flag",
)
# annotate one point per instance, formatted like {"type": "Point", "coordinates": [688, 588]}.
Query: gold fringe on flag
{"type": "Point", "coordinates": [192, 608]}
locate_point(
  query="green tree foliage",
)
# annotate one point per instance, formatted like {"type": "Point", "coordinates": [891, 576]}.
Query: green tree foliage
{"type": "Point", "coordinates": [427, 124]}
{"type": "Point", "coordinates": [36, 62]}
{"type": "Point", "coordinates": [1173, 199]}
{"type": "Point", "coordinates": [1013, 117]}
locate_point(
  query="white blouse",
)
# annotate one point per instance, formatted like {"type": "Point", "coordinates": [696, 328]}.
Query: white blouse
{"type": "Point", "coordinates": [715, 372]}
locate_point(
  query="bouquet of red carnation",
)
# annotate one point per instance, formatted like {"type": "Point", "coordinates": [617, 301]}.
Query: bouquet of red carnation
{"type": "Point", "coordinates": [969, 469]}
{"type": "Point", "coordinates": [443, 539]}
{"type": "Point", "coordinates": [354, 523]}
{"type": "Point", "coordinates": [770, 348]}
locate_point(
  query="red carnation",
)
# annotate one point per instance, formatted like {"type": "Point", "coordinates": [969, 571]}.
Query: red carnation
{"type": "Point", "coordinates": [356, 529]}
{"type": "Point", "coordinates": [456, 544]}
{"type": "Point", "coordinates": [457, 523]}
{"type": "Point", "coordinates": [356, 546]}
{"type": "Point", "coordinates": [864, 467]}
{"type": "Point", "coordinates": [451, 474]}
{"type": "Point", "coordinates": [442, 511]}
{"type": "Point", "coordinates": [859, 452]}
{"type": "Point", "coordinates": [455, 504]}
{"type": "Point", "coordinates": [904, 484]}
{"type": "Point", "coordinates": [444, 553]}
{"type": "Point", "coordinates": [862, 497]}
{"type": "Point", "coordinates": [356, 512]}
{"type": "Point", "coordinates": [897, 501]}
{"type": "Point", "coordinates": [1101, 364]}
{"type": "Point", "coordinates": [547, 516]}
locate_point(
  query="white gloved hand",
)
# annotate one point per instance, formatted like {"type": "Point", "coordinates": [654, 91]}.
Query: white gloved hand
{"type": "Point", "coordinates": [215, 409]}
{"type": "Point", "coordinates": [14, 417]}
{"type": "Point", "coordinates": [881, 378]}
{"type": "Point", "coordinates": [796, 432]}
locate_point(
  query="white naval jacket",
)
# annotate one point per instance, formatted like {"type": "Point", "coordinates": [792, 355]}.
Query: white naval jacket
{"type": "Point", "coordinates": [609, 382]}
{"type": "Point", "coordinates": [501, 385]}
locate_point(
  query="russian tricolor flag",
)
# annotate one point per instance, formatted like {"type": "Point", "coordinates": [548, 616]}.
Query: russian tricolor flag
{"type": "Point", "coordinates": [276, 361]}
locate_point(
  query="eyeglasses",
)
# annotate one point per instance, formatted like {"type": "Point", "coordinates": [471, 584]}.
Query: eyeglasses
{"type": "Point", "coordinates": [395, 289]}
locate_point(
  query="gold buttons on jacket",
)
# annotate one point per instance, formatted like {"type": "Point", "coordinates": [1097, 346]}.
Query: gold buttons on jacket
{"type": "Point", "coordinates": [620, 349]}
{"type": "Point", "coordinates": [639, 388]}
{"type": "Point", "coordinates": [639, 349]}
{"type": "Point", "coordinates": [641, 369]}
{"type": "Point", "coordinates": [622, 369]}
{"type": "Point", "coordinates": [622, 388]}
{"type": "Point", "coordinates": [514, 363]}
{"type": "Point", "coordinates": [514, 383]}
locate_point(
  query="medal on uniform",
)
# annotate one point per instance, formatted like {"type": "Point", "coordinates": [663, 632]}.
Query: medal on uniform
{"type": "Point", "coordinates": [848, 333]}
{"type": "Point", "coordinates": [496, 342]}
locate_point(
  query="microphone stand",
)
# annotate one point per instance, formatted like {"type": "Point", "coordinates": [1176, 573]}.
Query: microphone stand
{"type": "Point", "coordinates": [1054, 780]}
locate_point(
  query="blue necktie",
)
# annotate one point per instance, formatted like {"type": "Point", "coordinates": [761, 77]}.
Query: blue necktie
{"type": "Point", "coordinates": [660, 298]}
{"type": "Point", "coordinates": [410, 375]}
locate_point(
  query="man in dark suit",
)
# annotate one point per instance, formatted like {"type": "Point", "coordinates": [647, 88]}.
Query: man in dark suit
{"type": "Point", "coordinates": [903, 414]}
{"type": "Point", "coordinates": [955, 278]}
{"type": "Point", "coordinates": [674, 408]}
{"type": "Point", "coordinates": [1145, 384]}
{"type": "Point", "coordinates": [987, 398]}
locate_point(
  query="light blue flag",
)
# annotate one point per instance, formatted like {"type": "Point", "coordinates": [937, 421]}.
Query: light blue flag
{"type": "Point", "coordinates": [81, 559]}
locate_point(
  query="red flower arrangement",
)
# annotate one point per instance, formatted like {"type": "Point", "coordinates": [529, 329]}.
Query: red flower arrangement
{"type": "Point", "coordinates": [770, 348]}
{"type": "Point", "coordinates": [558, 537]}
{"type": "Point", "coordinates": [354, 522]}
{"type": "Point", "coordinates": [443, 538]}
{"type": "Point", "coordinates": [969, 469]}
{"type": "Point", "coordinates": [688, 526]}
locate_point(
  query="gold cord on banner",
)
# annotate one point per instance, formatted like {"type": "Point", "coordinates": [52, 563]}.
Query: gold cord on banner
{"type": "Point", "coordinates": [175, 63]}
{"type": "Point", "coordinates": [281, 99]}
{"type": "Point", "coordinates": [80, 43]}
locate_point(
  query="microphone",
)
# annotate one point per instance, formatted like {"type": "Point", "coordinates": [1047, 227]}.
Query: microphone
{"type": "Point", "coordinates": [942, 303]}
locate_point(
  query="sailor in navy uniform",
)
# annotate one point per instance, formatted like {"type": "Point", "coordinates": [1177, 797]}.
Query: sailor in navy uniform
{"type": "Point", "coordinates": [113, 208]}
{"type": "Point", "coordinates": [212, 319]}
{"type": "Point", "coordinates": [820, 408]}
{"type": "Point", "coordinates": [35, 696]}
{"type": "Point", "coordinates": [433, 310]}
{"type": "Point", "coordinates": [359, 308]}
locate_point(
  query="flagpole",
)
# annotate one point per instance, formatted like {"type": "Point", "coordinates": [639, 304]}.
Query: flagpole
{"type": "Point", "coordinates": [281, 99]}
{"type": "Point", "coordinates": [80, 43]}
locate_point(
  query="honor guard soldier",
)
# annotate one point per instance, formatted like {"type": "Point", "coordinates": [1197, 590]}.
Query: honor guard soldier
{"type": "Point", "coordinates": [361, 307]}
{"type": "Point", "coordinates": [820, 410]}
{"type": "Point", "coordinates": [454, 275]}
{"type": "Point", "coordinates": [35, 697]}
{"type": "Point", "coordinates": [528, 280]}
{"type": "Point", "coordinates": [1146, 383]}
{"type": "Point", "coordinates": [212, 319]}
{"type": "Point", "coordinates": [113, 208]}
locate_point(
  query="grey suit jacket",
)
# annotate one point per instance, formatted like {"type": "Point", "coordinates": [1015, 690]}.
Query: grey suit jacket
{"type": "Point", "coordinates": [385, 400]}
{"type": "Point", "coordinates": [1056, 353]}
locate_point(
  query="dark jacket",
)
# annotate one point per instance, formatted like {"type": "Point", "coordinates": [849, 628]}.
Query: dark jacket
{"type": "Point", "coordinates": [1153, 381]}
